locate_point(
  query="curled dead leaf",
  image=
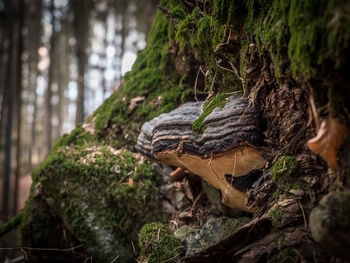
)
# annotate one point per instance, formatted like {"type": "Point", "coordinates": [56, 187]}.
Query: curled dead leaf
{"type": "Point", "coordinates": [328, 140]}
{"type": "Point", "coordinates": [134, 101]}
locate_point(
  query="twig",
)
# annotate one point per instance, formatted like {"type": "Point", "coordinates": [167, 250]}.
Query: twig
{"type": "Point", "coordinates": [25, 254]}
{"type": "Point", "coordinates": [15, 260]}
{"type": "Point", "coordinates": [302, 210]}
{"type": "Point", "coordinates": [41, 249]}
{"type": "Point", "coordinates": [196, 200]}
{"type": "Point", "coordinates": [172, 258]}
{"type": "Point", "coordinates": [114, 260]}
{"type": "Point", "coordinates": [158, 234]}
{"type": "Point", "coordinates": [227, 69]}
{"type": "Point", "coordinates": [298, 253]}
{"type": "Point", "coordinates": [236, 72]}
{"type": "Point", "coordinates": [195, 85]}
{"type": "Point", "coordinates": [133, 247]}
{"type": "Point", "coordinates": [233, 70]}
{"type": "Point", "coordinates": [164, 9]}
{"type": "Point", "coordinates": [240, 118]}
{"type": "Point", "coordinates": [223, 44]}
{"type": "Point", "coordinates": [314, 111]}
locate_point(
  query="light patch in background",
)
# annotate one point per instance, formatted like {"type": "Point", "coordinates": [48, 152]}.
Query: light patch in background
{"type": "Point", "coordinates": [127, 61]}
{"type": "Point", "coordinates": [41, 86]}
{"type": "Point", "coordinates": [72, 92]}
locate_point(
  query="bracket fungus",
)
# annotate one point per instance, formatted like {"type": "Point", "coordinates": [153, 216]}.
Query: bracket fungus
{"type": "Point", "coordinates": [225, 155]}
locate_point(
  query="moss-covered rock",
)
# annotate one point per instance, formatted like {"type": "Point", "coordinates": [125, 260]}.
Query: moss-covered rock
{"type": "Point", "coordinates": [330, 224]}
{"type": "Point", "coordinates": [102, 195]}
{"type": "Point", "coordinates": [212, 232]}
{"type": "Point", "coordinates": [158, 244]}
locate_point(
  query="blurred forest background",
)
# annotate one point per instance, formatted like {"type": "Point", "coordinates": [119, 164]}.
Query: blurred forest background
{"type": "Point", "coordinates": [59, 59]}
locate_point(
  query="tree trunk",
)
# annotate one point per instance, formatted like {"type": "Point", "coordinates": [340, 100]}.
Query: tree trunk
{"type": "Point", "coordinates": [81, 25]}
{"type": "Point", "coordinates": [121, 10]}
{"type": "Point", "coordinates": [8, 133]}
{"type": "Point", "coordinates": [48, 105]}
{"type": "Point", "coordinates": [19, 67]}
{"type": "Point", "coordinates": [34, 44]}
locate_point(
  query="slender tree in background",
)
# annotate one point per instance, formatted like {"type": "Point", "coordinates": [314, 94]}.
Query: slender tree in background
{"type": "Point", "coordinates": [19, 74]}
{"type": "Point", "coordinates": [8, 134]}
{"type": "Point", "coordinates": [81, 11]}
{"type": "Point", "coordinates": [48, 97]}
{"type": "Point", "coordinates": [33, 44]}
{"type": "Point", "coordinates": [3, 67]}
{"type": "Point", "coordinates": [121, 9]}
{"type": "Point", "coordinates": [103, 66]}
{"type": "Point", "coordinates": [63, 58]}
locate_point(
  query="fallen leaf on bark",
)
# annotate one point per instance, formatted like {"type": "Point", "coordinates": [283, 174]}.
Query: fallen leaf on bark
{"type": "Point", "coordinates": [328, 140]}
{"type": "Point", "coordinates": [134, 101]}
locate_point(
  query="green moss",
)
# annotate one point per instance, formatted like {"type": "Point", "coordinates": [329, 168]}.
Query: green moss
{"type": "Point", "coordinates": [284, 174]}
{"type": "Point", "coordinates": [77, 137]}
{"type": "Point", "coordinates": [229, 12]}
{"type": "Point", "coordinates": [284, 255]}
{"type": "Point", "coordinates": [276, 214]}
{"type": "Point", "coordinates": [158, 244]}
{"type": "Point", "coordinates": [11, 224]}
{"type": "Point", "coordinates": [202, 35]}
{"type": "Point", "coordinates": [284, 167]}
{"type": "Point", "coordinates": [99, 193]}
{"type": "Point", "coordinates": [214, 102]}
{"type": "Point", "coordinates": [304, 33]}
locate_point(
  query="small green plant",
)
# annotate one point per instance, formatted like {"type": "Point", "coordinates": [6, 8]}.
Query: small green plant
{"type": "Point", "coordinates": [284, 168]}
{"type": "Point", "coordinates": [217, 101]}
{"type": "Point", "coordinates": [158, 244]}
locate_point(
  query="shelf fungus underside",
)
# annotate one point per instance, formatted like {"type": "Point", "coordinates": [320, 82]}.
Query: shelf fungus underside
{"type": "Point", "coordinates": [224, 155]}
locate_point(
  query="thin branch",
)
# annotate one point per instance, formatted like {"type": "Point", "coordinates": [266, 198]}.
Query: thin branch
{"type": "Point", "coordinates": [41, 249]}
{"type": "Point", "coordinates": [164, 9]}
{"type": "Point", "coordinates": [114, 260]}
{"type": "Point", "coordinates": [195, 85]}
{"type": "Point", "coordinates": [224, 44]}
{"type": "Point", "coordinates": [236, 72]}
{"type": "Point", "coordinates": [302, 210]}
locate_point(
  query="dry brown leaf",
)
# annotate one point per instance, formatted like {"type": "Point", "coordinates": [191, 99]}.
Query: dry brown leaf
{"type": "Point", "coordinates": [134, 101]}
{"type": "Point", "coordinates": [328, 140]}
{"type": "Point", "coordinates": [130, 182]}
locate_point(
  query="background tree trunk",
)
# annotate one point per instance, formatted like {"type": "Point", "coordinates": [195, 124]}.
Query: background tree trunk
{"type": "Point", "coordinates": [19, 104]}
{"type": "Point", "coordinates": [81, 9]}
{"type": "Point", "coordinates": [8, 134]}
{"type": "Point", "coordinates": [48, 105]}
